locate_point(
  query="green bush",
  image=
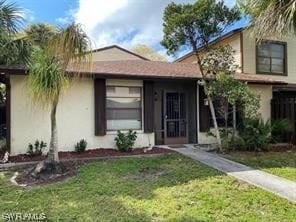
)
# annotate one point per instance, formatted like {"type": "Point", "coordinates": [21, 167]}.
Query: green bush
{"type": "Point", "coordinates": [2, 145]}
{"type": "Point", "coordinates": [257, 134]}
{"type": "Point", "coordinates": [125, 142]}
{"type": "Point", "coordinates": [80, 146]}
{"type": "Point", "coordinates": [36, 149]}
{"type": "Point", "coordinates": [280, 128]}
{"type": "Point", "coordinates": [232, 142]}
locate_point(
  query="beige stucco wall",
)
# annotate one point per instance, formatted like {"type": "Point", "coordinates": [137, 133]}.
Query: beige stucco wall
{"type": "Point", "coordinates": [75, 118]}
{"type": "Point", "coordinates": [265, 92]}
{"type": "Point", "coordinates": [249, 61]}
{"type": "Point", "coordinates": [112, 54]}
{"type": "Point", "coordinates": [234, 41]}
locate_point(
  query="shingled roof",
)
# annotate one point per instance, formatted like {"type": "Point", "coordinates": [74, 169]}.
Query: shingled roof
{"type": "Point", "coordinates": [160, 70]}
{"type": "Point", "coordinates": [143, 69]}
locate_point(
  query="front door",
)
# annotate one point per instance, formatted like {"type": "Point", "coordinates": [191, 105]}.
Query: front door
{"type": "Point", "coordinates": [175, 118]}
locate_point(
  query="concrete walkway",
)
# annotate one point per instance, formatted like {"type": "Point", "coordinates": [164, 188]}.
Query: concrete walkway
{"type": "Point", "coordinates": [277, 185]}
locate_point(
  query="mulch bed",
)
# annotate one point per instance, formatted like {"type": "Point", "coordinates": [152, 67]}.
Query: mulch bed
{"type": "Point", "coordinates": [100, 152]}
{"type": "Point", "coordinates": [177, 146]}
{"type": "Point", "coordinates": [281, 147]}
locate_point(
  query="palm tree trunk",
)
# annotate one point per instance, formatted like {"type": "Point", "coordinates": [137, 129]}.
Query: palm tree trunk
{"type": "Point", "coordinates": [53, 154]}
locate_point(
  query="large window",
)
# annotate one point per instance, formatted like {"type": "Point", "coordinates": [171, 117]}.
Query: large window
{"type": "Point", "coordinates": [124, 108]}
{"type": "Point", "coordinates": [271, 58]}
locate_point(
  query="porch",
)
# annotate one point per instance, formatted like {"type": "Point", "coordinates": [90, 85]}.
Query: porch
{"type": "Point", "coordinates": [175, 112]}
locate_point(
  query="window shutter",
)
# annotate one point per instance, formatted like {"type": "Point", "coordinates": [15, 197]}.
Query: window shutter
{"type": "Point", "coordinates": [204, 112]}
{"type": "Point", "coordinates": [100, 106]}
{"type": "Point", "coordinates": [148, 106]}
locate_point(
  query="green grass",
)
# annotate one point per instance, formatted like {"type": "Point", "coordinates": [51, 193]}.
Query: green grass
{"type": "Point", "coordinates": [280, 164]}
{"type": "Point", "coordinates": [167, 188]}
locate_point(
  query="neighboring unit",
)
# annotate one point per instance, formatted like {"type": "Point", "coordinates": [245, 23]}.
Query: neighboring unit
{"type": "Point", "coordinates": [268, 57]}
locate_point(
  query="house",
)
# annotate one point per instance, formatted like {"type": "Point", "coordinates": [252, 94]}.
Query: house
{"type": "Point", "coordinates": [161, 101]}
{"type": "Point", "coordinates": [270, 57]}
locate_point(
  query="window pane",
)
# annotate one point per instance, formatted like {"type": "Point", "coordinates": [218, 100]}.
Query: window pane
{"type": "Point", "coordinates": [110, 89]}
{"type": "Point", "coordinates": [277, 66]}
{"type": "Point", "coordinates": [123, 91]}
{"type": "Point", "coordinates": [263, 64]}
{"type": "Point", "coordinates": [123, 124]}
{"type": "Point", "coordinates": [134, 90]}
{"type": "Point", "coordinates": [123, 108]}
{"type": "Point", "coordinates": [123, 103]}
{"type": "Point", "coordinates": [124, 114]}
{"type": "Point", "coordinates": [277, 50]}
{"type": "Point", "coordinates": [263, 50]}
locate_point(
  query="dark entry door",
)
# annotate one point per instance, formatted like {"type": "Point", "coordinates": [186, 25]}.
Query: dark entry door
{"type": "Point", "coordinates": [175, 118]}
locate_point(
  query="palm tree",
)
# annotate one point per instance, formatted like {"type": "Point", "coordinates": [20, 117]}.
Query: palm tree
{"type": "Point", "coordinates": [271, 17]}
{"type": "Point", "coordinates": [13, 50]}
{"type": "Point", "coordinates": [40, 33]}
{"type": "Point", "coordinates": [48, 76]}
{"type": "Point", "coordinates": [10, 17]}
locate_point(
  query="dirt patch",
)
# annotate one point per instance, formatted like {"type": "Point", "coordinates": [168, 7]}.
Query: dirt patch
{"type": "Point", "coordinates": [148, 173]}
{"type": "Point", "coordinates": [69, 169]}
{"type": "Point", "coordinates": [100, 152]}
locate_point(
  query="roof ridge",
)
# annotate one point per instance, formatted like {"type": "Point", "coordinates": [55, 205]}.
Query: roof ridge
{"type": "Point", "coordinates": [222, 37]}
{"type": "Point", "coordinates": [120, 48]}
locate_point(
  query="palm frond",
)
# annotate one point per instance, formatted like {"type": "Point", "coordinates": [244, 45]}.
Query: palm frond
{"type": "Point", "coordinates": [11, 17]}
{"type": "Point", "coordinates": [70, 45]}
{"type": "Point", "coordinates": [48, 75]}
{"type": "Point", "coordinates": [45, 80]}
{"type": "Point", "coordinates": [39, 34]}
{"type": "Point", "coordinates": [271, 18]}
{"type": "Point", "coordinates": [14, 51]}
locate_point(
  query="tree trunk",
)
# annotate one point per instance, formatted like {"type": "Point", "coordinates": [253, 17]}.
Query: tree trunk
{"type": "Point", "coordinates": [234, 121]}
{"type": "Point", "coordinates": [226, 125]}
{"type": "Point", "coordinates": [52, 163]}
{"type": "Point", "coordinates": [213, 113]}
{"type": "Point", "coordinates": [53, 154]}
{"type": "Point", "coordinates": [209, 98]}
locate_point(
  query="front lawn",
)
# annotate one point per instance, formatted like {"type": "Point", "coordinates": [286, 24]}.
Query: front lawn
{"type": "Point", "coordinates": [277, 163]}
{"type": "Point", "coordinates": [166, 188]}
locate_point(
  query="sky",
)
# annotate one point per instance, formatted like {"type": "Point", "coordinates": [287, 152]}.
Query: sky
{"type": "Point", "coordinates": [123, 22]}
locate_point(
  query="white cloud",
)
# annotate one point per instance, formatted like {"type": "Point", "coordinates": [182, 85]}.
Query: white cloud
{"type": "Point", "coordinates": [92, 13]}
{"type": "Point", "coordinates": [123, 22]}
{"type": "Point", "coordinates": [28, 15]}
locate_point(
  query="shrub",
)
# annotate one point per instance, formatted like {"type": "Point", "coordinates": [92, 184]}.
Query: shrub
{"type": "Point", "coordinates": [232, 142]}
{"type": "Point", "coordinates": [2, 145]}
{"type": "Point", "coordinates": [80, 146]}
{"type": "Point", "coordinates": [257, 134]}
{"type": "Point", "coordinates": [36, 149]}
{"type": "Point", "coordinates": [280, 128]}
{"type": "Point", "coordinates": [125, 142]}
{"type": "Point", "coordinates": [237, 143]}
